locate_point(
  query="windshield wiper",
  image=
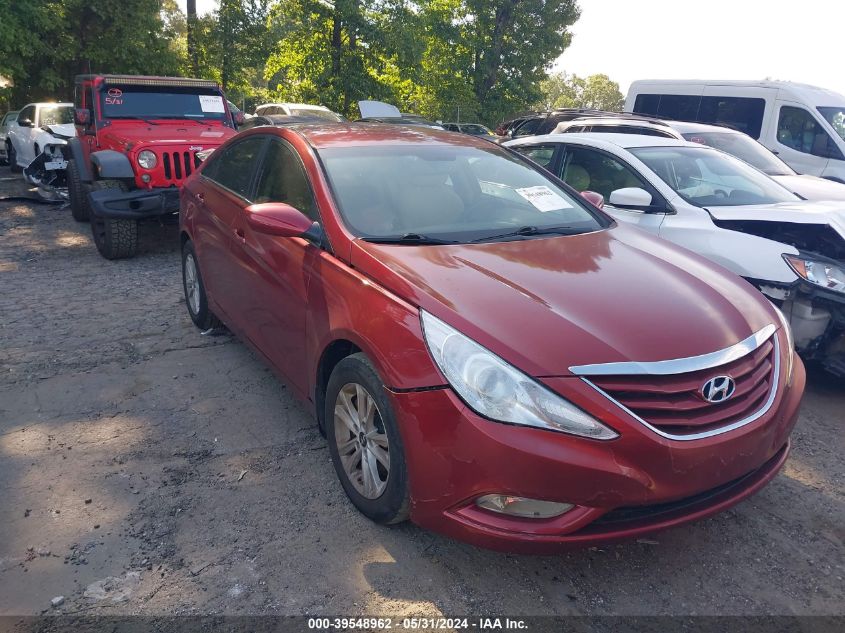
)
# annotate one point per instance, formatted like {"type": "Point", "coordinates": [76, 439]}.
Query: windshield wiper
{"type": "Point", "coordinates": [527, 231]}
{"type": "Point", "coordinates": [409, 238]}
{"type": "Point", "coordinates": [146, 119]}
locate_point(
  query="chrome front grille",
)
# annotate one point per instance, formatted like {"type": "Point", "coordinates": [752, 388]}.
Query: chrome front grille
{"type": "Point", "coordinates": [666, 396]}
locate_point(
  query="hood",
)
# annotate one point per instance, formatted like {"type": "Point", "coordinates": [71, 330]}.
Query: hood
{"type": "Point", "coordinates": [829, 213]}
{"type": "Point", "coordinates": [166, 133]}
{"type": "Point", "coordinates": [548, 304]}
{"type": "Point", "coordinates": [64, 131]}
{"type": "Point", "coordinates": [813, 187]}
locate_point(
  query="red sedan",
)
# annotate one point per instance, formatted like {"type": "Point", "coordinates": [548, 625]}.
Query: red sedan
{"type": "Point", "coordinates": [487, 353]}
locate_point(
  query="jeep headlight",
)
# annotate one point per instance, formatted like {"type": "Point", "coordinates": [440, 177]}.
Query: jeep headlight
{"type": "Point", "coordinates": [499, 391]}
{"type": "Point", "coordinates": [821, 273]}
{"type": "Point", "coordinates": [147, 159]}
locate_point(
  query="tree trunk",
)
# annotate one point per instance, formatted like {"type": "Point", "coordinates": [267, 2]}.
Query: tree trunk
{"type": "Point", "coordinates": [192, 37]}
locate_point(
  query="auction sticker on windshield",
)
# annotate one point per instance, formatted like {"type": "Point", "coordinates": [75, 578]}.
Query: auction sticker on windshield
{"type": "Point", "coordinates": [211, 103]}
{"type": "Point", "coordinates": [543, 198]}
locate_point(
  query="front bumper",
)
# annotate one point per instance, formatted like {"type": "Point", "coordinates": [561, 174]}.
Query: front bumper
{"type": "Point", "coordinates": [134, 205]}
{"type": "Point", "coordinates": [636, 484]}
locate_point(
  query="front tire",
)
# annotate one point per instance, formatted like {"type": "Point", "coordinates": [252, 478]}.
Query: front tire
{"type": "Point", "coordinates": [195, 297]}
{"type": "Point", "coordinates": [364, 441]}
{"type": "Point", "coordinates": [114, 238]}
{"type": "Point", "coordinates": [13, 158]}
{"type": "Point", "coordinates": [77, 194]}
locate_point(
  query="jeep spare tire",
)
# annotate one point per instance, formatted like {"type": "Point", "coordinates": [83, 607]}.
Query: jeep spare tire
{"type": "Point", "coordinates": [114, 238]}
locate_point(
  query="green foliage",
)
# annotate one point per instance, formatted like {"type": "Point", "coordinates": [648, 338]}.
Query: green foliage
{"type": "Point", "coordinates": [562, 90]}
{"type": "Point", "coordinates": [445, 59]}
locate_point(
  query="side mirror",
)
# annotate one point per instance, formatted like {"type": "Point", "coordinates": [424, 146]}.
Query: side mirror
{"type": "Point", "coordinates": [25, 122]}
{"type": "Point", "coordinates": [632, 198]}
{"type": "Point", "coordinates": [277, 218]}
{"type": "Point", "coordinates": [239, 118]}
{"type": "Point", "coordinates": [82, 116]}
{"type": "Point", "coordinates": [595, 199]}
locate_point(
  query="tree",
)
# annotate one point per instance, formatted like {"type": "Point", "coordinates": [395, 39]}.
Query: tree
{"type": "Point", "coordinates": [598, 92]}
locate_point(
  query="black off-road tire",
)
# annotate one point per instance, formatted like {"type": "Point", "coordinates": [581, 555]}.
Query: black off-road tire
{"type": "Point", "coordinates": [393, 505]}
{"type": "Point", "coordinates": [13, 158]}
{"type": "Point", "coordinates": [77, 193]}
{"type": "Point", "coordinates": [203, 317]}
{"type": "Point", "coordinates": [115, 239]}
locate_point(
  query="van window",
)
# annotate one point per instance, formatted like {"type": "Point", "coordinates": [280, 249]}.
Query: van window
{"type": "Point", "coordinates": [836, 117]}
{"type": "Point", "coordinates": [799, 130]}
{"type": "Point", "coordinates": [740, 113]}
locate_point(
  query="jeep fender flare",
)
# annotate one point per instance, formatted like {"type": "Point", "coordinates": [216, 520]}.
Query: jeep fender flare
{"type": "Point", "coordinates": [112, 164]}
{"type": "Point", "coordinates": [78, 156]}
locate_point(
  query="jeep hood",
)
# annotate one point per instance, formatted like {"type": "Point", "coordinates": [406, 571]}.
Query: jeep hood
{"type": "Point", "coordinates": [547, 304]}
{"type": "Point", "coordinates": [197, 133]}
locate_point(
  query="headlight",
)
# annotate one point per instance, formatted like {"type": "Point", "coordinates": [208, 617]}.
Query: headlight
{"type": "Point", "coordinates": [790, 342]}
{"type": "Point", "coordinates": [498, 391]}
{"type": "Point", "coordinates": [147, 159]}
{"type": "Point", "coordinates": [824, 274]}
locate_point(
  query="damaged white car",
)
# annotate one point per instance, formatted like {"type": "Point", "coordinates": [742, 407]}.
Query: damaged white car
{"type": "Point", "coordinates": [720, 207]}
{"type": "Point", "coordinates": [37, 141]}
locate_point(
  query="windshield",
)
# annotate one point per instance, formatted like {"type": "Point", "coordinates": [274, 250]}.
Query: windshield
{"type": "Point", "coordinates": [159, 102]}
{"type": "Point", "coordinates": [744, 148]}
{"type": "Point", "coordinates": [449, 193]}
{"type": "Point", "coordinates": [314, 113]}
{"type": "Point", "coordinates": [836, 117]}
{"type": "Point", "coordinates": [56, 115]}
{"type": "Point", "coordinates": [707, 178]}
{"type": "Point", "coordinates": [475, 129]}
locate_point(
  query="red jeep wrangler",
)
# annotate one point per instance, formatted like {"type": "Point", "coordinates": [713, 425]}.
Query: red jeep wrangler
{"type": "Point", "coordinates": [137, 140]}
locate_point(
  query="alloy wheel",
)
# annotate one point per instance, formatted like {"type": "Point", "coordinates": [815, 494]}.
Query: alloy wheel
{"type": "Point", "coordinates": [361, 440]}
{"type": "Point", "coordinates": [192, 284]}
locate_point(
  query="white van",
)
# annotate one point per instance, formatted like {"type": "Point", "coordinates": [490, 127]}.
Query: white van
{"type": "Point", "coordinates": [803, 125]}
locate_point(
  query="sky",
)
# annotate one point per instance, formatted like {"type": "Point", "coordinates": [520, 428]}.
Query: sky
{"type": "Point", "coordinates": [792, 40]}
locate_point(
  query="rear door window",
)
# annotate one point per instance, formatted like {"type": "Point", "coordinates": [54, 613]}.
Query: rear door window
{"type": "Point", "coordinates": [543, 155]}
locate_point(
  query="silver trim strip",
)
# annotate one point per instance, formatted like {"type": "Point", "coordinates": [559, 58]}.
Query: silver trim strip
{"type": "Point", "coordinates": [678, 365]}
{"type": "Point", "coordinates": [724, 429]}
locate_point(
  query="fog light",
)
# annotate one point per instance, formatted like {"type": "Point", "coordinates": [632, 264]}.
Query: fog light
{"type": "Point", "coordinates": [145, 177]}
{"type": "Point", "coordinates": [522, 507]}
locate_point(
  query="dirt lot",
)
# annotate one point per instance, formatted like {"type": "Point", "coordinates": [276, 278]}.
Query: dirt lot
{"type": "Point", "coordinates": [176, 469]}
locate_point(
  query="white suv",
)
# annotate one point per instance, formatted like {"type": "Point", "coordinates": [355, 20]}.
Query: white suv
{"type": "Point", "coordinates": [298, 109]}
{"type": "Point", "coordinates": [39, 126]}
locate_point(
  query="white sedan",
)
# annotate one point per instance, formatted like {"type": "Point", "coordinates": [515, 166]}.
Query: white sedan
{"type": "Point", "coordinates": [722, 208]}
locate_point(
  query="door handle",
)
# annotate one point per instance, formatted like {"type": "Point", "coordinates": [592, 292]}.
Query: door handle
{"type": "Point", "coordinates": [240, 233]}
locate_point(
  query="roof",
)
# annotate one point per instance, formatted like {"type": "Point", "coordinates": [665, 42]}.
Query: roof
{"type": "Point", "coordinates": [150, 80]}
{"type": "Point", "coordinates": [606, 141]}
{"type": "Point", "coordinates": [809, 92]}
{"type": "Point", "coordinates": [359, 134]}
{"type": "Point", "coordinates": [685, 127]}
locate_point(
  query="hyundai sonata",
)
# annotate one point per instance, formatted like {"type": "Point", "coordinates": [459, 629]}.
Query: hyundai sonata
{"type": "Point", "coordinates": [487, 353]}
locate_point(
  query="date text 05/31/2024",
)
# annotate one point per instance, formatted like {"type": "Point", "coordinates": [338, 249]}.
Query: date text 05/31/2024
{"type": "Point", "coordinates": [413, 624]}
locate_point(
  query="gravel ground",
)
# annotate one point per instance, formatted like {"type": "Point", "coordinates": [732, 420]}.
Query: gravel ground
{"type": "Point", "coordinates": [146, 469]}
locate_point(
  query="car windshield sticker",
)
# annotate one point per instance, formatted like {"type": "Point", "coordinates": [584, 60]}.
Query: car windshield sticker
{"type": "Point", "coordinates": [543, 198]}
{"type": "Point", "coordinates": [211, 103]}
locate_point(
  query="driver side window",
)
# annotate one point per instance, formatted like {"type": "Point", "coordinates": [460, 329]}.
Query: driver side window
{"type": "Point", "coordinates": [588, 170]}
{"type": "Point", "coordinates": [798, 130]}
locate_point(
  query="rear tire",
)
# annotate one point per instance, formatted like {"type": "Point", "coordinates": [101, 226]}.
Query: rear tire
{"type": "Point", "coordinates": [194, 288]}
{"type": "Point", "coordinates": [115, 239]}
{"type": "Point", "coordinates": [364, 441]}
{"type": "Point", "coordinates": [13, 158]}
{"type": "Point", "coordinates": [77, 193]}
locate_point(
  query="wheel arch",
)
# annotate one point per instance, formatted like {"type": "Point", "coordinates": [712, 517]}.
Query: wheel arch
{"type": "Point", "coordinates": [333, 353]}
{"type": "Point", "coordinates": [112, 164]}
